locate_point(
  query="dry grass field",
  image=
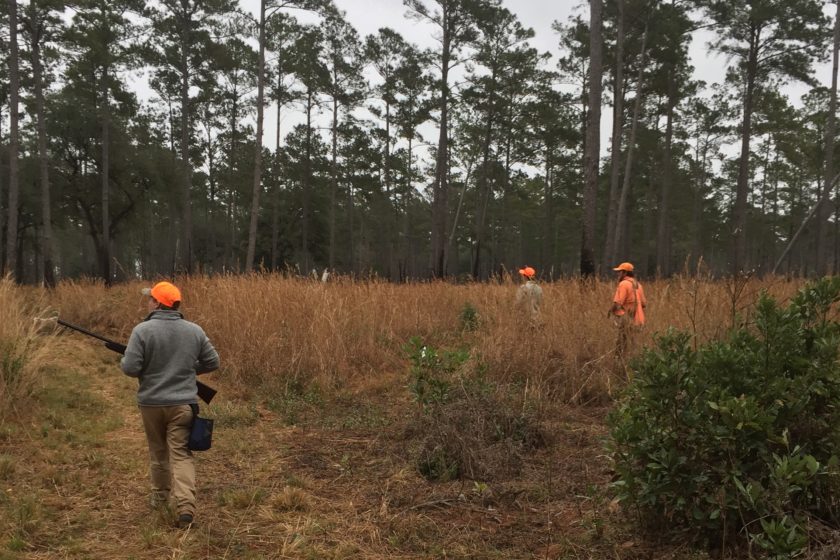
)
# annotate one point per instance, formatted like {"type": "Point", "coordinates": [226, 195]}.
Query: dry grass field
{"type": "Point", "coordinates": [317, 432]}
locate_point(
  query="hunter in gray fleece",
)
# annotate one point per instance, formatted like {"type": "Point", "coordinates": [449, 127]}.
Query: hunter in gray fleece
{"type": "Point", "coordinates": [166, 352]}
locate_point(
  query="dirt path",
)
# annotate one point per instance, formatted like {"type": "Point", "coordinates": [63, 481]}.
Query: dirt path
{"type": "Point", "coordinates": [337, 484]}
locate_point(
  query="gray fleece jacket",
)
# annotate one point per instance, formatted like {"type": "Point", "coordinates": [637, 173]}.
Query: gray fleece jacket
{"type": "Point", "coordinates": [166, 352]}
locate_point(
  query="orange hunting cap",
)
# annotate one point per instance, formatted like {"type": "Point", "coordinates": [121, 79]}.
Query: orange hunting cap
{"type": "Point", "coordinates": [625, 266]}
{"type": "Point", "coordinates": [165, 293]}
{"type": "Point", "coordinates": [528, 272]}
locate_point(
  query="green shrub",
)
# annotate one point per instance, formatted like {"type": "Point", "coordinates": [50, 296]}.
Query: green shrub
{"type": "Point", "coordinates": [740, 437]}
{"type": "Point", "coordinates": [431, 372]}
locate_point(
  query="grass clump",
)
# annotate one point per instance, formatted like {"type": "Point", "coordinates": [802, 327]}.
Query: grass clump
{"type": "Point", "coordinates": [240, 498]}
{"type": "Point", "coordinates": [291, 498]}
{"type": "Point", "coordinates": [22, 349]}
{"type": "Point", "coordinates": [467, 427]}
{"type": "Point", "coordinates": [741, 437]}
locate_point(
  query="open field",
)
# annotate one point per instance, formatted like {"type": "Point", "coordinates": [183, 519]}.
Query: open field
{"type": "Point", "coordinates": [317, 432]}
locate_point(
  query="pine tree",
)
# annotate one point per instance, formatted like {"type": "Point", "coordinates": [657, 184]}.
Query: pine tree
{"type": "Point", "coordinates": [182, 27]}
{"type": "Point", "coordinates": [11, 262]}
{"type": "Point", "coordinates": [454, 20]}
{"type": "Point", "coordinates": [593, 140]}
{"type": "Point", "coordinates": [767, 38]}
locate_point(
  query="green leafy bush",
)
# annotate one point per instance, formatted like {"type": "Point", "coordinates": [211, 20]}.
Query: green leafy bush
{"type": "Point", "coordinates": [431, 372]}
{"type": "Point", "coordinates": [740, 437]}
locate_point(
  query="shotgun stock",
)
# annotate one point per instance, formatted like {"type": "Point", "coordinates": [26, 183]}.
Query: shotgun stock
{"type": "Point", "coordinates": [205, 392]}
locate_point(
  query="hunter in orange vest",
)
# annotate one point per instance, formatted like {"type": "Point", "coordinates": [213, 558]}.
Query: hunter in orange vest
{"type": "Point", "coordinates": [629, 298]}
{"type": "Point", "coordinates": [628, 305]}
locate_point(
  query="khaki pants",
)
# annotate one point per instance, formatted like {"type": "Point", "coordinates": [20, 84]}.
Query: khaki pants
{"type": "Point", "coordinates": [626, 333]}
{"type": "Point", "coordinates": [172, 467]}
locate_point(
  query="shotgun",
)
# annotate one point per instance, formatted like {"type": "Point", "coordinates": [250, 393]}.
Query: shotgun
{"type": "Point", "coordinates": [205, 392]}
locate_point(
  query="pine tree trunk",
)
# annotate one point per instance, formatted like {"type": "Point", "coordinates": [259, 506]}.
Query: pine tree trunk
{"type": "Point", "coordinates": [548, 219]}
{"type": "Point", "coordinates": [697, 210]}
{"type": "Point", "coordinates": [830, 132]}
{"type": "Point", "coordinates": [620, 244]}
{"type": "Point", "coordinates": [14, 192]}
{"type": "Point", "coordinates": [483, 186]}
{"type": "Point", "coordinates": [275, 228]}
{"type": "Point", "coordinates": [275, 214]}
{"type": "Point", "coordinates": [186, 189]}
{"type": "Point", "coordinates": [333, 182]}
{"type": "Point", "coordinates": [645, 258]}
{"type": "Point", "coordinates": [593, 141]}
{"type": "Point", "coordinates": [307, 186]}
{"type": "Point", "coordinates": [663, 233]}
{"type": "Point", "coordinates": [231, 260]}
{"type": "Point", "coordinates": [43, 156]}
{"type": "Point", "coordinates": [440, 190]}
{"type": "Point", "coordinates": [391, 196]}
{"type": "Point", "coordinates": [2, 213]}
{"type": "Point", "coordinates": [257, 186]}
{"type": "Point", "coordinates": [835, 269]}
{"type": "Point", "coordinates": [105, 265]}
{"type": "Point", "coordinates": [408, 254]}
{"type": "Point", "coordinates": [618, 125]}
{"type": "Point", "coordinates": [740, 229]}
{"type": "Point", "coordinates": [211, 201]}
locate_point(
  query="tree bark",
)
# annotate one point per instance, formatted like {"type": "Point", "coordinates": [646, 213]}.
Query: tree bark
{"type": "Point", "coordinates": [483, 182]}
{"type": "Point", "coordinates": [257, 186]}
{"type": "Point", "coordinates": [408, 255]}
{"type": "Point", "coordinates": [663, 233]}
{"type": "Point", "coordinates": [391, 197]}
{"type": "Point", "coordinates": [2, 213]}
{"type": "Point", "coordinates": [275, 214]}
{"type": "Point", "coordinates": [230, 257]}
{"type": "Point", "coordinates": [618, 125]}
{"type": "Point", "coordinates": [548, 219]}
{"type": "Point", "coordinates": [440, 189]}
{"type": "Point", "coordinates": [211, 201]}
{"type": "Point", "coordinates": [186, 206]}
{"type": "Point", "coordinates": [830, 132]}
{"type": "Point", "coordinates": [105, 265]}
{"type": "Point", "coordinates": [740, 222]}
{"type": "Point", "coordinates": [593, 141]}
{"type": "Point", "coordinates": [43, 157]}
{"type": "Point", "coordinates": [701, 157]}
{"type": "Point", "coordinates": [620, 244]}
{"type": "Point", "coordinates": [14, 187]}
{"type": "Point", "coordinates": [334, 182]}
{"type": "Point", "coordinates": [307, 185]}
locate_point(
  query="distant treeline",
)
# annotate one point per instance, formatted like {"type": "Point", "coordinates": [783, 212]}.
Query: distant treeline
{"type": "Point", "coordinates": [479, 155]}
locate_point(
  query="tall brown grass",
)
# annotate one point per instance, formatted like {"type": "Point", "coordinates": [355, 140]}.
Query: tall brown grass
{"type": "Point", "coordinates": [278, 332]}
{"type": "Point", "coordinates": [23, 348]}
